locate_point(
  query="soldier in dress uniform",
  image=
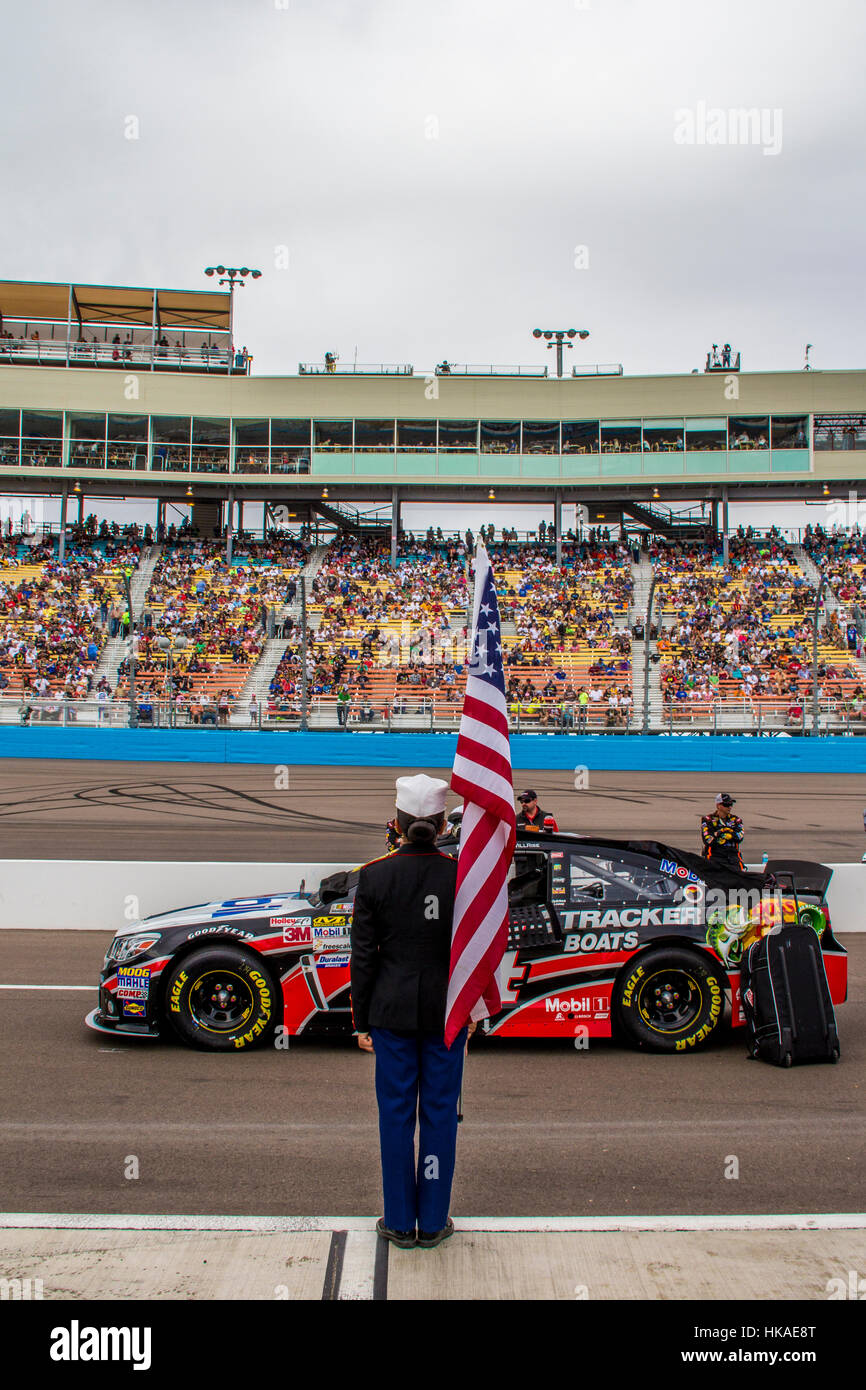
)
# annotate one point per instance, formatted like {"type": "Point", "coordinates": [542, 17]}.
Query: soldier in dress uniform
{"type": "Point", "coordinates": [401, 949]}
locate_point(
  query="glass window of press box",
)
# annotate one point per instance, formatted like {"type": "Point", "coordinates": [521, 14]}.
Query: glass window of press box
{"type": "Point", "coordinates": [252, 445]}
{"type": "Point", "coordinates": [663, 436]}
{"type": "Point", "coordinates": [42, 438]}
{"type": "Point", "coordinates": [374, 436]}
{"type": "Point", "coordinates": [500, 437]}
{"type": "Point", "coordinates": [831, 432]}
{"type": "Point", "coordinates": [290, 446]}
{"type": "Point", "coordinates": [580, 436]}
{"type": "Point", "coordinates": [211, 442]}
{"type": "Point", "coordinates": [86, 440]}
{"type": "Point", "coordinates": [332, 436]}
{"type": "Point", "coordinates": [749, 432]}
{"type": "Point", "coordinates": [706, 436]}
{"type": "Point", "coordinates": [10, 438]}
{"type": "Point", "coordinates": [620, 436]}
{"type": "Point", "coordinates": [172, 441]}
{"type": "Point", "coordinates": [540, 436]}
{"type": "Point", "coordinates": [789, 432]}
{"type": "Point", "coordinates": [416, 436]}
{"type": "Point", "coordinates": [458, 436]}
{"type": "Point", "coordinates": [127, 441]}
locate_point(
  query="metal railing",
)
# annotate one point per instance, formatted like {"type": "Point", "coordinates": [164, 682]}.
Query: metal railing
{"type": "Point", "coordinates": [488, 369]}
{"type": "Point", "coordinates": [54, 353]}
{"type": "Point", "coordinates": [355, 369]}
{"type": "Point", "coordinates": [599, 369]}
{"type": "Point", "coordinates": [427, 713]}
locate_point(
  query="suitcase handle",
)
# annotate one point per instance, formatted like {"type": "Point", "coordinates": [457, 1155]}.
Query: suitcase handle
{"type": "Point", "coordinates": [791, 1009]}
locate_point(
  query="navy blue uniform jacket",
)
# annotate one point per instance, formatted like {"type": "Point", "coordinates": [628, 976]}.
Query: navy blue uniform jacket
{"type": "Point", "coordinates": [401, 940]}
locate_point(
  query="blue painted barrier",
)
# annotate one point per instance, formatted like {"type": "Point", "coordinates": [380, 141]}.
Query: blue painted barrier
{"type": "Point", "coordinates": [599, 752]}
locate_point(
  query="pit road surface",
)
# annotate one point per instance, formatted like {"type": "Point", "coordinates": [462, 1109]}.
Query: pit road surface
{"type": "Point", "coordinates": [549, 1130]}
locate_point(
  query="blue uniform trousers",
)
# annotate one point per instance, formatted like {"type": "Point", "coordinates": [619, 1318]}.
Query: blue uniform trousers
{"type": "Point", "coordinates": [417, 1079]}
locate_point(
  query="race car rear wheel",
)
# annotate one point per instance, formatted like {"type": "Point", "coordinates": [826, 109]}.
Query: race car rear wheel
{"type": "Point", "coordinates": [222, 999]}
{"type": "Point", "coordinates": [670, 1000]}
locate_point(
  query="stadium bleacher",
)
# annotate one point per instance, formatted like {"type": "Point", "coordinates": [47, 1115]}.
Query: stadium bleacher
{"type": "Point", "coordinates": [388, 645]}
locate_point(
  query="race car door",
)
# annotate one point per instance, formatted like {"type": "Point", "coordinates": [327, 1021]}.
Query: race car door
{"type": "Point", "coordinates": [614, 899]}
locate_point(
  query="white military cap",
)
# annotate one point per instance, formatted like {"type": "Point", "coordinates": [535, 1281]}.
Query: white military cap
{"type": "Point", "coordinates": [421, 795]}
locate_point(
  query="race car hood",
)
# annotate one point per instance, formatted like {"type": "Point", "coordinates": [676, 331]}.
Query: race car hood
{"type": "Point", "coordinates": [273, 904]}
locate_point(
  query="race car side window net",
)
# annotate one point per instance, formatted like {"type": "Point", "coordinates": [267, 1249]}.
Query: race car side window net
{"type": "Point", "coordinates": [527, 878]}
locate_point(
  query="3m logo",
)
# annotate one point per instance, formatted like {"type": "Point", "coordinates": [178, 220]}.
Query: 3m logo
{"type": "Point", "coordinates": [296, 933]}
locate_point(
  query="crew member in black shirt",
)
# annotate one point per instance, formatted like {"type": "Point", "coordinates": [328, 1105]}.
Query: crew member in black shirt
{"type": "Point", "coordinates": [531, 816]}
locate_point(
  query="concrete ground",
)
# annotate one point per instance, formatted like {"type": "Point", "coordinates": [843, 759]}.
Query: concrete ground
{"type": "Point", "coordinates": [480, 1262]}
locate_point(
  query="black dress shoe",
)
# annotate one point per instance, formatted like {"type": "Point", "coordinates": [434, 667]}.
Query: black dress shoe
{"type": "Point", "coordinates": [404, 1239]}
{"type": "Point", "coordinates": [427, 1239]}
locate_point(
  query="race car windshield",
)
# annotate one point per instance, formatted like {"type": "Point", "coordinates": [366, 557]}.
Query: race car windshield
{"type": "Point", "coordinates": [619, 879]}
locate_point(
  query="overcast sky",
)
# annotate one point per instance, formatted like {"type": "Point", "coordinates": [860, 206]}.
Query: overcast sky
{"type": "Point", "coordinates": [432, 172]}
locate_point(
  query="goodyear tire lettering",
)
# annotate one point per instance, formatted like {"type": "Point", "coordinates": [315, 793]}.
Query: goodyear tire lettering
{"type": "Point", "coordinates": [221, 999]}
{"type": "Point", "coordinates": [672, 1002]}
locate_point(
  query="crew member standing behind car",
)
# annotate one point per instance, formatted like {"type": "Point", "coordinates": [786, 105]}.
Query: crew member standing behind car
{"type": "Point", "coordinates": [401, 950]}
{"type": "Point", "coordinates": [722, 834]}
{"type": "Point", "coordinates": [531, 816]}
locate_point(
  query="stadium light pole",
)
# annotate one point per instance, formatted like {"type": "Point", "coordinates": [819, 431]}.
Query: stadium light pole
{"type": "Point", "coordinates": [559, 338]}
{"type": "Point", "coordinates": [232, 275]}
{"type": "Point", "coordinates": [821, 587]}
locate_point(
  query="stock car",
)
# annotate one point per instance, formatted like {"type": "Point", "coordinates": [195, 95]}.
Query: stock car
{"type": "Point", "coordinates": [625, 938]}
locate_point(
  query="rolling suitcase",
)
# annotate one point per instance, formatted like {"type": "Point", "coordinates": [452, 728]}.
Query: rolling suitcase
{"type": "Point", "coordinates": [786, 999]}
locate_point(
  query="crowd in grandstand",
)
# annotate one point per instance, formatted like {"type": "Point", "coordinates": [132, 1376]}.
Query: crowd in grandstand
{"type": "Point", "coordinates": [389, 640]}
{"type": "Point", "coordinates": [744, 629]}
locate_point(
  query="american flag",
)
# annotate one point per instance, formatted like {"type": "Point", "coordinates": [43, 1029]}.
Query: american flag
{"type": "Point", "coordinates": [482, 776]}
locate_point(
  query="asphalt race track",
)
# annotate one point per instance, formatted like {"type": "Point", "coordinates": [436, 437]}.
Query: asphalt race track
{"type": "Point", "coordinates": [549, 1130]}
{"type": "Point", "coordinates": [86, 810]}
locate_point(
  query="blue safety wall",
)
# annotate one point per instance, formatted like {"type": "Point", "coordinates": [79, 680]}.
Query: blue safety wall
{"type": "Point", "coordinates": [688, 753]}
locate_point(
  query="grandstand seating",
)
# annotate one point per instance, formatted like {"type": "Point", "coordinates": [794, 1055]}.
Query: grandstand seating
{"type": "Point", "coordinates": [741, 634]}
{"type": "Point", "coordinates": [54, 618]}
{"type": "Point", "coordinates": [220, 610]}
{"type": "Point", "coordinates": [736, 639]}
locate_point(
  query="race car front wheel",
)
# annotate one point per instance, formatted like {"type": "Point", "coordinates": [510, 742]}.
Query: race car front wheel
{"type": "Point", "coordinates": [222, 999]}
{"type": "Point", "coordinates": [670, 1000]}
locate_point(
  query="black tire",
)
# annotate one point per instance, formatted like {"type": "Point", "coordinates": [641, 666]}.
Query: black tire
{"type": "Point", "coordinates": [670, 1000]}
{"type": "Point", "coordinates": [222, 999]}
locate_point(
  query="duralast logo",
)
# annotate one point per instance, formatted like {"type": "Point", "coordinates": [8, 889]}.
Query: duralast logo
{"type": "Point", "coordinates": [77, 1343]}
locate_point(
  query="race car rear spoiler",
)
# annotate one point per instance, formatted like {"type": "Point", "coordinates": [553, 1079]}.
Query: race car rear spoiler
{"type": "Point", "coordinates": [807, 877]}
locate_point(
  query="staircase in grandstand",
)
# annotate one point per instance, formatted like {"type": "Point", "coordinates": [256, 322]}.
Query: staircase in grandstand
{"type": "Point", "coordinates": [348, 518]}
{"type": "Point", "coordinates": [642, 573]}
{"type": "Point", "coordinates": [117, 648]}
{"type": "Point", "coordinates": [258, 681]}
{"type": "Point", "coordinates": [687, 525]}
{"type": "Point", "coordinates": [830, 602]}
